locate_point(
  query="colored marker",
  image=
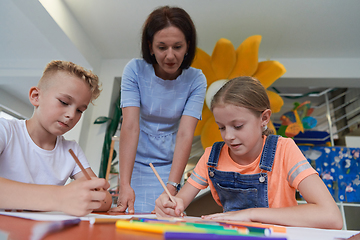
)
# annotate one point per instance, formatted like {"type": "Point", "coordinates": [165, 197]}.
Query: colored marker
{"type": "Point", "coordinates": [207, 225]}
{"type": "Point", "coordinates": [210, 236]}
{"type": "Point", "coordinates": [42, 229]}
{"type": "Point", "coordinates": [166, 227]}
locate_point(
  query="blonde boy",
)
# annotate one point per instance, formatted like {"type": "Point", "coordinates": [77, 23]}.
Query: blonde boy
{"type": "Point", "coordinates": [34, 158]}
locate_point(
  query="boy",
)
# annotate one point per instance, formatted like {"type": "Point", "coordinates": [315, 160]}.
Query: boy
{"type": "Point", "coordinates": [35, 161]}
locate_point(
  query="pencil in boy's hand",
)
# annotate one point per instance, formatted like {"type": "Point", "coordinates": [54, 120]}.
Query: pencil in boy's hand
{"type": "Point", "coordinates": [82, 168]}
{"type": "Point", "coordinates": [79, 164]}
{"type": "Point", "coordinates": [162, 183]}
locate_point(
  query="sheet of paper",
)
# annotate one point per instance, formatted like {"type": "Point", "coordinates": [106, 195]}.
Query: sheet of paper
{"type": "Point", "coordinates": [59, 216]}
{"type": "Point", "coordinates": [95, 215]}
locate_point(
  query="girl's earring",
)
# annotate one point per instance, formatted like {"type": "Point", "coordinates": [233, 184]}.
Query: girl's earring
{"type": "Point", "coordinates": [264, 128]}
{"type": "Point", "coordinates": [186, 54]}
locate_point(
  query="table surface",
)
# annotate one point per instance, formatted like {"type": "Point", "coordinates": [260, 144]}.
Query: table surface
{"type": "Point", "coordinates": [21, 229]}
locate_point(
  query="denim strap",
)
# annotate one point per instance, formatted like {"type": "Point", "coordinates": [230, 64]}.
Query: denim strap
{"type": "Point", "coordinates": [214, 154]}
{"type": "Point", "coordinates": [268, 154]}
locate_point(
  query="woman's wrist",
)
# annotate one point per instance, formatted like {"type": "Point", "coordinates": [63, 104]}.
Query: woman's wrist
{"type": "Point", "coordinates": [171, 189]}
{"type": "Point", "coordinates": [177, 186]}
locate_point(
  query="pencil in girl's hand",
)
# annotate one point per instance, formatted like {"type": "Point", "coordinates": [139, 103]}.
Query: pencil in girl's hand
{"type": "Point", "coordinates": [79, 164]}
{"type": "Point", "coordinates": [162, 183]}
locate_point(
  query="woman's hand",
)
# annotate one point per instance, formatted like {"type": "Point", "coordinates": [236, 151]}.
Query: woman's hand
{"type": "Point", "coordinates": [125, 200]}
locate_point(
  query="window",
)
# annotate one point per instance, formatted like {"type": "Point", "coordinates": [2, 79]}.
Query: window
{"type": "Point", "coordinates": [6, 115]}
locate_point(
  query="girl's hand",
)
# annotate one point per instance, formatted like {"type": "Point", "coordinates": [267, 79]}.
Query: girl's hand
{"type": "Point", "coordinates": [164, 207]}
{"type": "Point", "coordinates": [242, 215]}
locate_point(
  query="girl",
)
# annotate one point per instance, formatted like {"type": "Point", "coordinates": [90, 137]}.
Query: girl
{"type": "Point", "coordinates": [254, 175]}
{"type": "Point", "coordinates": [161, 99]}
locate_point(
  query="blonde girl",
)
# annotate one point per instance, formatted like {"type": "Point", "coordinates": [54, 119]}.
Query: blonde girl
{"type": "Point", "coordinates": [252, 174]}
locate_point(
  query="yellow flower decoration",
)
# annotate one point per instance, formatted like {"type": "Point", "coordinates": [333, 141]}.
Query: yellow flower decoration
{"type": "Point", "coordinates": [227, 63]}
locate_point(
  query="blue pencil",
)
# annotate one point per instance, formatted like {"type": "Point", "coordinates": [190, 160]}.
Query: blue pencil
{"type": "Point", "coordinates": [210, 236]}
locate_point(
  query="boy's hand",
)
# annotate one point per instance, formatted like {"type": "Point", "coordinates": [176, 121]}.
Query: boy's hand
{"type": "Point", "coordinates": [164, 207]}
{"type": "Point", "coordinates": [79, 198]}
{"type": "Point", "coordinates": [125, 200]}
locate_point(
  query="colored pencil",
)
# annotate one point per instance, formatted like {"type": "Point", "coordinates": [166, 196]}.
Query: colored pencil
{"type": "Point", "coordinates": [80, 165]}
{"type": "Point", "coordinates": [162, 183]}
{"type": "Point", "coordinates": [87, 176]}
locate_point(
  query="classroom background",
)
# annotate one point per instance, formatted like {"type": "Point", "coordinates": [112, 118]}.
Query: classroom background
{"type": "Point", "coordinates": [317, 42]}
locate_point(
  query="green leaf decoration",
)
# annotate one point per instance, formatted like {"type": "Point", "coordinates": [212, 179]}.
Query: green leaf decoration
{"type": "Point", "coordinates": [101, 120]}
{"type": "Point", "coordinates": [110, 132]}
{"type": "Point", "coordinates": [114, 155]}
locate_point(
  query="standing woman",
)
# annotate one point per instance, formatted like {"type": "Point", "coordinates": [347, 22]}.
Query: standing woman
{"type": "Point", "coordinates": [161, 100]}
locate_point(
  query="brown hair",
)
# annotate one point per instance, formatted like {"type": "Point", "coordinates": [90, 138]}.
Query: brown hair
{"type": "Point", "coordinates": [164, 17]}
{"type": "Point", "coordinates": [88, 76]}
{"type": "Point", "coordinates": [246, 92]}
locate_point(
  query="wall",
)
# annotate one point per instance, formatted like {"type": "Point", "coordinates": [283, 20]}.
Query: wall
{"type": "Point", "coordinates": [9, 101]}
{"type": "Point", "coordinates": [95, 133]}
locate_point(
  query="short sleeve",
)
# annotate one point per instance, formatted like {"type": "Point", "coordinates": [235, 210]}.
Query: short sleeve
{"type": "Point", "coordinates": [199, 177]}
{"type": "Point", "coordinates": [80, 155]}
{"type": "Point", "coordinates": [130, 93]}
{"type": "Point", "coordinates": [296, 165]}
{"type": "Point", "coordinates": [3, 134]}
{"type": "Point", "coordinates": [195, 102]}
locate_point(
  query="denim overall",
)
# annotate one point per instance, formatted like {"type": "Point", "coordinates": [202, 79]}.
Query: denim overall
{"type": "Point", "coordinates": [240, 191]}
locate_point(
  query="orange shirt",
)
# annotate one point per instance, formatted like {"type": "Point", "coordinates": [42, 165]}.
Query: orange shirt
{"type": "Point", "coordinates": [290, 167]}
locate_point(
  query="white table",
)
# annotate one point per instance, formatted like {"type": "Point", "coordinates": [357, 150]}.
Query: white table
{"type": "Point", "coordinates": [297, 233]}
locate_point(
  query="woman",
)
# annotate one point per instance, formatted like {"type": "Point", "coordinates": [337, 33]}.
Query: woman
{"type": "Point", "coordinates": [161, 99]}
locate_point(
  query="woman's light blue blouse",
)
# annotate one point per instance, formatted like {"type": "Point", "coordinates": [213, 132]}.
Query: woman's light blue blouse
{"type": "Point", "coordinates": [162, 103]}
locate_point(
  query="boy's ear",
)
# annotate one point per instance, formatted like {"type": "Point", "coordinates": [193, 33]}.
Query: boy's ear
{"type": "Point", "coordinates": [34, 96]}
{"type": "Point", "coordinates": [265, 117]}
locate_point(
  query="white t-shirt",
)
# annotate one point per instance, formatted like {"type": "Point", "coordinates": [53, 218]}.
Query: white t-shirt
{"type": "Point", "coordinates": [23, 161]}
